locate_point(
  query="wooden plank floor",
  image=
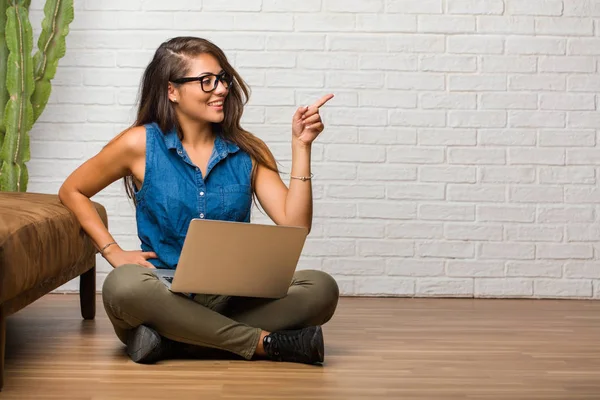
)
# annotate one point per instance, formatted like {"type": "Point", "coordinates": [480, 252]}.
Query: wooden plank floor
{"type": "Point", "coordinates": [375, 349]}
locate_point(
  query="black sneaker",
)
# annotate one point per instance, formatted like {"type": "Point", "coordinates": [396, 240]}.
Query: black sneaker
{"type": "Point", "coordinates": [302, 346]}
{"type": "Point", "coordinates": [146, 346]}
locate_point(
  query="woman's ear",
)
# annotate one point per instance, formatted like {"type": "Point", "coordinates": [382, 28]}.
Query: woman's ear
{"type": "Point", "coordinates": [172, 93]}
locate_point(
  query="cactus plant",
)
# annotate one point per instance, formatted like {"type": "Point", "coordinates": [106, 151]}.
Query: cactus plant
{"type": "Point", "coordinates": [27, 79]}
{"type": "Point", "coordinates": [3, 58]}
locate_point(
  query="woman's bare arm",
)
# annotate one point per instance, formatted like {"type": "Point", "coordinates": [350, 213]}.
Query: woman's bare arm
{"type": "Point", "coordinates": [293, 205]}
{"type": "Point", "coordinates": [123, 156]}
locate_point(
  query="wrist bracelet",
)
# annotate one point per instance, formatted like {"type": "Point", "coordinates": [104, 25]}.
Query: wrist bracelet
{"type": "Point", "coordinates": [302, 178]}
{"type": "Point", "coordinates": [104, 248]}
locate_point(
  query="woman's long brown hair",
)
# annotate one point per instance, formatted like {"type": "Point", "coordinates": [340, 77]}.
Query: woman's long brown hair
{"type": "Point", "coordinates": [170, 62]}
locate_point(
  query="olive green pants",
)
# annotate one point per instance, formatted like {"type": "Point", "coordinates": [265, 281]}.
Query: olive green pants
{"type": "Point", "coordinates": [133, 295]}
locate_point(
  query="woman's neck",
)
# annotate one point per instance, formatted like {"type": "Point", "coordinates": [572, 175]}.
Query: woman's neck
{"type": "Point", "coordinates": [196, 134]}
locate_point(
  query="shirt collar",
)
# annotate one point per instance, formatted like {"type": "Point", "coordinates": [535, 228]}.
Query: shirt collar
{"type": "Point", "coordinates": [172, 140]}
{"type": "Point", "coordinates": [222, 146]}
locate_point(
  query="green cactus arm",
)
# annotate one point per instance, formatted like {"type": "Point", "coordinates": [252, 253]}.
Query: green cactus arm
{"type": "Point", "coordinates": [3, 59]}
{"type": "Point", "coordinates": [18, 117]}
{"type": "Point", "coordinates": [58, 14]}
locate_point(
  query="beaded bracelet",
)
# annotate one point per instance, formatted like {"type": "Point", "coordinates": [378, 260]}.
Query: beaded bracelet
{"type": "Point", "coordinates": [302, 178]}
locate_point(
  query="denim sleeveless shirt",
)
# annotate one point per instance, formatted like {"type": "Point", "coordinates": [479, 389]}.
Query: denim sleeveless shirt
{"type": "Point", "coordinates": [174, 192]}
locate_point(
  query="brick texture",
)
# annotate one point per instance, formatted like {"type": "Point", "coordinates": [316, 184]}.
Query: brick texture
{"type": "Point", "coordinates": [460, 156]}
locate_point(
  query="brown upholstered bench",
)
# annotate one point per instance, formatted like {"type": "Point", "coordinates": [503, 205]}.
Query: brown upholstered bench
{"type": "Point", "coordinates": [42, 246]}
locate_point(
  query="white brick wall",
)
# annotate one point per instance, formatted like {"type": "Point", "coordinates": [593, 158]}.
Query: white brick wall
{"type": "Point", "coordinates": [460, 156]}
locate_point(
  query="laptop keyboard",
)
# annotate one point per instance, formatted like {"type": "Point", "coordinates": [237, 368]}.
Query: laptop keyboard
{"type": "Point", "coordinates": [169, 279]}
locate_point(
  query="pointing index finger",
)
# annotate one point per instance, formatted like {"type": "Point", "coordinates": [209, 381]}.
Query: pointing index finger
{"type": "Point", "coordinates": [322, 101]}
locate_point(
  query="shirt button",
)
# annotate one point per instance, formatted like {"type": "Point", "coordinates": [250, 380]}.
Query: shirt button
{"type": "Point", "coordinates": [201, 193]}
{"type": "Point", "coordinates": [201, 215]}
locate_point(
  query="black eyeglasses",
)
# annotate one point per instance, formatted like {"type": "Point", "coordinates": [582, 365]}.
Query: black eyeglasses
{"type": "Point", "coordinates": [209, 82]}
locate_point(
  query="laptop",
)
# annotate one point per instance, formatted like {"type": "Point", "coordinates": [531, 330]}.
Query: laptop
{"type": "Point", "coordinates": [236, 259]}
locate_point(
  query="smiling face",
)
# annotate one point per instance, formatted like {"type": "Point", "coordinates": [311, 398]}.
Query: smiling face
{"type": "Point", "coordinates": [191, 101]}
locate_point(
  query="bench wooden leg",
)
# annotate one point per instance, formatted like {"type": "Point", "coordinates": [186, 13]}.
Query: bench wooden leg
{"type": "Point", "coordinates": [87, 293]}
{"type": "Point", "coordinates": [2, 345]}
